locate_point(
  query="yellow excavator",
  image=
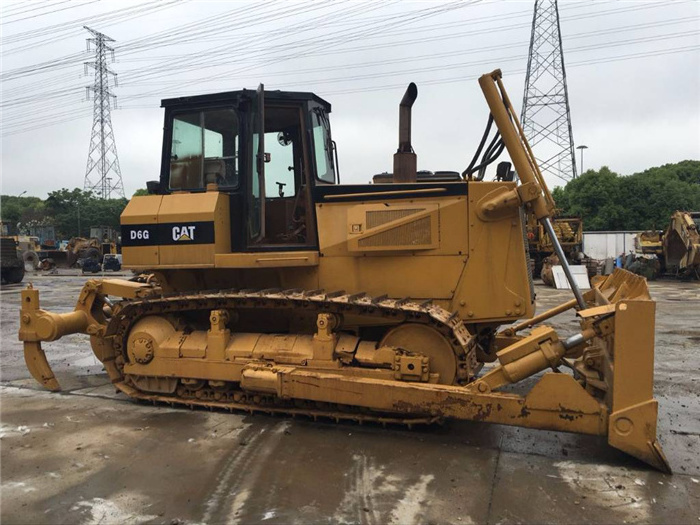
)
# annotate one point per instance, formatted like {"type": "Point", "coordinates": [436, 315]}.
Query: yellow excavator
{"type": "Point", "coordinates": [681, 245]}
{"type": "Point", "coordinates": [265, 285]}
{"type": "Point", "coordinates": [677, 249]}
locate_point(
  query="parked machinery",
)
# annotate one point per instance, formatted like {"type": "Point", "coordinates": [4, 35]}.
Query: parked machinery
{"type": "Point", "coordinates": [681, 245]}
{"type": "Point", "coordinates": [90, 250]}
{"type": "Point", "coordinates": [30, 247]}
{"type": "Point", "coordinates": [11, 261]}
{"type": "Point", "coordinates": [569, 232]}
{"type": "Point", "coordinates": [265, 285]}
{"type": "Point", "coordinates": [675, 251]}
{"type": "Point", "coordinates": [649, 242]}
{"type": "Point", "coordinates": [112, 262]}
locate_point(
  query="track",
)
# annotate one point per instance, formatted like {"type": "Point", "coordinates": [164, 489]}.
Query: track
{"type": "Point", "coordinates": [230, 396]}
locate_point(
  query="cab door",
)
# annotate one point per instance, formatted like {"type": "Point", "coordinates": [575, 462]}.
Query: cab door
{"type": "Point", "coordinates": [280, 217]}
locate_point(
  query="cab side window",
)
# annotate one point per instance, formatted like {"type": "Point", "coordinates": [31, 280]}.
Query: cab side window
{"type": "Point", "coordinates": [280, 180]}
{"type": "Point", "coordinates": [204, 149]}
{"type": "Point", "coordinates": [323, 148]}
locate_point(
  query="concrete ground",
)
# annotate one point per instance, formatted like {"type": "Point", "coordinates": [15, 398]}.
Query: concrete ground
{"type": "Point", "coordinates": [88, 455]}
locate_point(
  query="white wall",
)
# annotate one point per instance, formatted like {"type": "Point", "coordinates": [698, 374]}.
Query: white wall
{"type": "Point", "coordinates": [601, 245]}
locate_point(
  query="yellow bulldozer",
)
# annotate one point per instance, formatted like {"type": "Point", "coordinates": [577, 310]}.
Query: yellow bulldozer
{"type": "Point", "coordinates": [649, 242]}
{"type": "Point", "coordinates": [265, 285]}
{"type": "Point", "coordinates": [569, 232]}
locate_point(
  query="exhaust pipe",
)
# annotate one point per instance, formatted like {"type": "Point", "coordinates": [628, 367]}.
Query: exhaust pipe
{"type": "Point", "coordinates": [405, 160]}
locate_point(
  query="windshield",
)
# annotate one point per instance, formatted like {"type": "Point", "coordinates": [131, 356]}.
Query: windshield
{"type": "Point", "coordinates": [204, 149]}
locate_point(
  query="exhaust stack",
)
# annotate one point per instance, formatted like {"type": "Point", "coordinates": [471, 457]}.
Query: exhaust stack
{"type": "Point", "coordinates": [405, 160]}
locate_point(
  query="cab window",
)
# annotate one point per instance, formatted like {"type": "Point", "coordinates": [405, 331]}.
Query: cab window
{"type": "Point", "coordinates": [280, 180]}
{"type": "Point", "coordinates": [323, 149]}
{"type": "Point", "coordinates": [204, 149]}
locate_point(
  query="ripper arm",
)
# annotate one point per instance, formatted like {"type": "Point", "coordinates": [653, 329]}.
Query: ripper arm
{"type": "Point", "coordinates": [89, 317]}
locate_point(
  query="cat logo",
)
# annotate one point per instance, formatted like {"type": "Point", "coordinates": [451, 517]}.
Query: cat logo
{"type": "Point", "coordinates": [183, 233]}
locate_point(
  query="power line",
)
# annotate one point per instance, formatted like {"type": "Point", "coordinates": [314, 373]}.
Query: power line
{"type": "Point", "coordinates": [444, 67]}
{"type": "Point", "coordinates": [72, 116]}
{"type": "Point", "coordinates": [461, 78]}
{"type": "Point", "coordinates": [312, 44]}
{"type": "Point", "coordinates": [19, 6]}
{"type": "Point", "coordinates": [434, 57]}
{"type": "Point", "coordinates": [49, 12]}
{"type": "Point", "coordinates": [245, 53]}
{"type": "Point", "coordinates": [334, 40]}
{"type": "Point", "coordinates": [75, 26]}
{"type": "Point", "coordinates": [35, 8]}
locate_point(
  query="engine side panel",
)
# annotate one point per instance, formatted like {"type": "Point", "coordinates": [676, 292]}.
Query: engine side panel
{"type": "Point", "coordinates": [403, 247]}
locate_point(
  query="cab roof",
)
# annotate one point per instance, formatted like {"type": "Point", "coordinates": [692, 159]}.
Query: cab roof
{"type": "Point", "coordinates": [233, 96]}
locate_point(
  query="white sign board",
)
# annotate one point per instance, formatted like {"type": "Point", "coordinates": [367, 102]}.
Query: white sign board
{"type": "Point", "coordinates": [601, 245]}
{"type": "Point", "coordinates": [580, 274]}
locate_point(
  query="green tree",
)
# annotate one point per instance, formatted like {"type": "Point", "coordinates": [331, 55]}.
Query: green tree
{"type": "Point", "coordinates": [71, 212]}
{"type": "Point", "coordinates": [22, 210]}
{"type": "Point", "coordinates": [608, 201]}
{"type": "Point", "coordinates": [75, 211]}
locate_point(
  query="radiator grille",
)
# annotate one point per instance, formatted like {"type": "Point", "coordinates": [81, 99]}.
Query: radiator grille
{"type": "Point", "coordinates": [415, 233]}
{"type": "Point", "coordinates": [377, 218]}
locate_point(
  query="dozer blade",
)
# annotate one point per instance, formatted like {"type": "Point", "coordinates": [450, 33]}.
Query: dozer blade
{"type": "Point", "coordinates": [633, 409]}
{"type": "Point", "coordinates": [38, 366]}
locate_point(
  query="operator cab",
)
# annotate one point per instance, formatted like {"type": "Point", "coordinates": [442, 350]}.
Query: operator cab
{"type": "Point", "coordinates": [267, 150]}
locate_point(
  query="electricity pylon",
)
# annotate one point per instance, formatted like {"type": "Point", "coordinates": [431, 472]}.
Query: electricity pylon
{"type": "Point", "coordinates": [546, 116]}
{"type": "Point", "coordinates": [102, 156]}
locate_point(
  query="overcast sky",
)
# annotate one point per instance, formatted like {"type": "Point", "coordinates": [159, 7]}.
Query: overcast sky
{"type": "Point", "coordinates": [633, 72]}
